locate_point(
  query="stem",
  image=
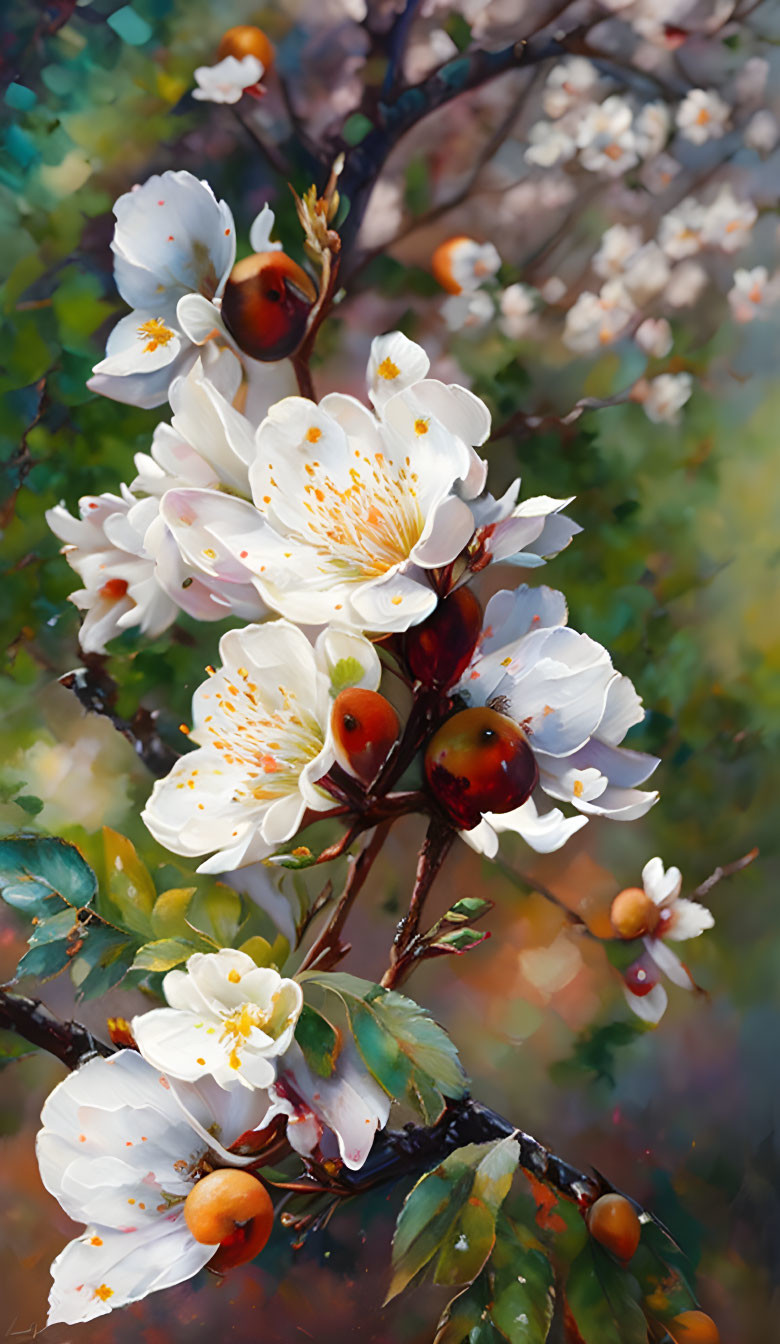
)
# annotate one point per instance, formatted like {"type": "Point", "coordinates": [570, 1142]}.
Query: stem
{"type": "Point", "coordinates": [397, 1154]}
{"type": "Point", "coordinates": [303, 374]}
{"type": "Point", "coordinates": [438, 839]}
{"type": "Point", "coordinates": [67, 1041]}
{"type": "Point", "coordinates": [328, 949]}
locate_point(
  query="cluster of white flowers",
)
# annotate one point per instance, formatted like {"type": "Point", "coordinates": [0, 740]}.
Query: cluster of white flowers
{"type": "Point", "coordinates": [125, 1138]}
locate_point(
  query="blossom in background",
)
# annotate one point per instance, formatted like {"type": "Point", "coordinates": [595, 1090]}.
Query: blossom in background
{"type": "Point", "coordinates": [518, 316]}
{"type": "Point", "coordinates": [227, 1019]}
{"type": "Point", "coordinates": [262, 723]}
{"type": "Point", "coordinates": [665, 396]}
{"type": "Point", "coordinates": [728, 222]}
{"type": "Point", "coordinates": [681, 230]}
{"type": "Point", "coordinates": [702, 116]}
{"type": "Point", "coordinates": [352, 510]}
{"type": "Point", "coordinates": [596, 320]}
{"type": "Point", "coordinates": [570, 84]}
{"type": "Point", "coordinates": [762, 132]}
{"type": "Point", "coordinates": [462, 265]}
{"type": "Point", "coordinates": [119, 1149]}
{"type": "Point", "coordinates": [228, 80]}
{"type": "Point", "coordinates": [686, 284]}
{"type": "Point", "coordinates": [679, 919]}
{"type": "Point", "coordinates": [654, 337]}
{"type": "Point", "coordinates": [575, 709]}
{"type": "Point", "coordinates": [549, 143]}
{"type": "Point", "coordinates": [172, 238]}
{"type": "Point", "coordinates": [752, 293]}
{"type": "Point", "coordinates": [605, 137]}
{"type": "Point", "coordinates": [468, 311]}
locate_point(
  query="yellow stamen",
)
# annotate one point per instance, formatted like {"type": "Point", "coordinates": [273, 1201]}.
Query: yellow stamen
{"type": "Point", "coordinates": [157, 333]}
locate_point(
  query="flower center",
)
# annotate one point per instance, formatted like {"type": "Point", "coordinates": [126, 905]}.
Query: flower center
{"type": "Point", "coordinates": [238, 1027]}
{"type": "Point", "coordinates": [157, 332]}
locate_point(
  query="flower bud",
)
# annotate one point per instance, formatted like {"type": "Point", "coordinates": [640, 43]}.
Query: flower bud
{"type": "Point", "coordinates": [266, 305]}
{"type": "Point", "coordinates": [479, 761]}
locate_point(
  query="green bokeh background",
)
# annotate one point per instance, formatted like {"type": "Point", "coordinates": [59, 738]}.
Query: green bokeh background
{"type": "Point", "coordinates": [676, 571]}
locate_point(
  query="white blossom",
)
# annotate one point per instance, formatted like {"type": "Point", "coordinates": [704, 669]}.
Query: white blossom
{"type": "Point", "coordinates": [226, 1019]}
{"type": "Point", "coordinates": [686, 284]}
{"type": "Point", "coordinates": [752, 293]}
{"type": "Point", "coordinates": [575, 709]}
{"type": "Point", "coordinates": [549, 143]}
{"type": "Point", "coordinates": [680, 232]}
{"type": "Point", "coordinates": [702, 116]}
{"type": "Point", "coordinates": [262, 725]}
{"type": "Point", "coordinates": [666, 396]}
{"type": "Point", "coordinates": [472, 263]}
{"type": "Point", "coordinates": [571, 83]}
{"type": "Point", "coordinates": [468, 311]}
{"type": "Point", "coordinates": [762, 131]}
{"type": "Point", "coordinates": [618, 245]}
{"type": "Point", "coordinates": [119, 1149]}
{"type": "Point", "coordinates": [518, 318]}
{"type": "Point", "coordinates": [651, 129]}
{"type": "Point", "coordinates": [227, 81]}
{"type": "Point", "coordinates": [680, 919]}
{"type": "Point", "coordinates": [654, 336]}
{"type": "Point", "coordinates": [596, 320]}
{"type": "Point", "coordinates": [728, 222]}
{"type": "Point", "coordinates": [606, 139]}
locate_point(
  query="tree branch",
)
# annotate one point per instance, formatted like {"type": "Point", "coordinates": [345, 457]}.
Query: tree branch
{"type": "Point", "coordinates": [406, 944]}
{"type": "Point", "coordinates": [328, 949]}
{"type": "Point", "coordinates": [97, 692]}
{"type": "Point", "coordinates": [67, 1041]}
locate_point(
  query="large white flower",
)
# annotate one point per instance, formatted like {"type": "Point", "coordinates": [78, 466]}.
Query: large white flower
{"type": "Point", "coordinates": [173, 238]}
{"type": "Point", "coordinates": [119, 1148]}
{"type": "Point", "coordinates": [353, 511]}
{"type": "Point", "coordinates": [679, 920]}
{"type": "Point", "coordinates": [333, 1117]}
{"type": "Point", "coordinates": [263, 727]}
{"type": "Point", "coordinates": [575, 709]}
{"type": "Point", "coordinates": [227, 1019]}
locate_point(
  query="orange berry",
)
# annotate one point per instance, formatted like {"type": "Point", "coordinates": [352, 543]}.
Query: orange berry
{"type": "Point", "coordinates": [233, 1210]}
{"type": "Point", "coordinates": [438, 650]}
{"type": "Point", "coordinates": [633, 913]}
{"type": "Point", "coordinates": [613, 1222]}
{"type": "Point", "coordinates": [694, 1327]}
{"type": "Point", "coordinates": [246, 40]}
{"type": "Point", "coordinates": [480, 761]}
{"type": "Point", "coordinates": [365, 726]}
{"type": "Point", "coordinates": [266, 304]}
{"type": "Point", "coordinates": [441, 263]}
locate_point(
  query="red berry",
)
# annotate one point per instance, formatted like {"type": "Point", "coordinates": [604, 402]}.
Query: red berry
{"type": "Point", "coordinates": [266, 304]}
{"type": "Point", "coordinates": [633, 913]}
{"type": "Point", "coordinates": [480, 761]}
{"type": "Point", "coordinates": [642, 975]}
{"type": "Point", "coordinates": [439, 649]}
{"type": "Point", "coordinates": [246, 40]}
{"type": "Point", "coordinates": [613, 1222]}
{"type": "Point", "coordinates": [694, 1327]}
{"type": "Point", "coordinates": [365, 726]}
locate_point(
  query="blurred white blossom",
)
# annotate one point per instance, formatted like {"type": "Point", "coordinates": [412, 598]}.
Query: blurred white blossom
{"type": "Point", "coordinates": [702, 116]}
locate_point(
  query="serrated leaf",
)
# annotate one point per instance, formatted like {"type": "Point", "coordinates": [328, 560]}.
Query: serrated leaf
{"type": "Point", "coordinates": [163, 954]}
{"type": "Point", "coordinates": [33, 870]}
{"type": "Point", "coordinates": [408, 1054]}
{"type": "Point", "coordinates": [129, 885]}
{"type": "Point", "coordinates": [472, 1236]}
{"type": "Point", "coordinates": [427, 1215]}
{"type": "Point", "coordinates": [168, 917]}
{"type": "Point", "coordinates": [603, 1299]}
{"type": "Point", "coordinates": [318, 1040]}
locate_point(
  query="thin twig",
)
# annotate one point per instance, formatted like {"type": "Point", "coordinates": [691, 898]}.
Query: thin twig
{"type": "Point", "coordinates": [438, 839]}
{"type": "Point", "coordinates": [725, 870]}
{"type": "Point", "coordinates": [328, 949]}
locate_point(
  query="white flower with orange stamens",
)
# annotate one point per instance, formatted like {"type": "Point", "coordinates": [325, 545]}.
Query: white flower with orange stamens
{"type": "Point", "coordinates": [120, 1148]}
{"type": "Point", "coordinates": [702, 115]}
{"type": "Point", "coordinates": [353, 513]}
{"type": "Point", "coordinates": [262, 723]}
{"type": "Point", "coordinates": [677, 919]}
{"type": "Point", "coordinates": [227, 1019]}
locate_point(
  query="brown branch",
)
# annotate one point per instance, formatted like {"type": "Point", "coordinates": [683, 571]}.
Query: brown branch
{"type": "Point", "coordinates": [726, 870]}
{"type": "Point", "coordinates": [67, 1041]}
{"type": "Point", "coordinates": [406, 944]}
{"type": "Point", "coordinates": [328, 949]}
{"type": "Point", "coordinates": [97, 692]}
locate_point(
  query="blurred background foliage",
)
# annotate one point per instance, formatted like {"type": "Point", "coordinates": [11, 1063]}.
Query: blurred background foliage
{"type": "Point", "coordinates": [676, 571]}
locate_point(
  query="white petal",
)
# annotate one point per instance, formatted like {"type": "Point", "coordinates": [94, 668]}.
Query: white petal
{"type": "Point", "coordinates": [395, 362]}
{"type": "Point", "coordinates": [260, 231]}
{"type": "Point", "coordinates": [689, 920]}
{"type": "Point", "coordinates": [650, 1007]}
{"type": "Point", "coordinates": [393, 603]}
{"type": "Point", "coordinates": [543, 831]}
{"type": "Point", "coordinates": [449, 528]}
{"type": "Point", "coordinates": [668, 961]}
{"type": "Point", "coordinates": [662, 887]}
{"type": "Point", "coordinates": [199, 318]}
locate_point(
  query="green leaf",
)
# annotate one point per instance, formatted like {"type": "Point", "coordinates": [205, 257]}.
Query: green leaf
{"type": "Point", "coordinates": [129, 886]}
{"type": "Point", "coordinates": [604, 1299]}
{"type": "Point", "coordinates": [103, 961]}
{"type": "Point", "coordinates": [452, 1210]}
{"type": "Point", "coordinates": [468, 907]}
{"type": "Point", "coordinates": [216, 913]}
{"type": "Point", "coordinates": [408, 1054]}
{"type": "Point", "coordinates": [12, 1048]}
{"type": "Point", "coordinates": [464, 1313]}
{"type": "Point", "coordinates": [162, 954]}
{"type": "Point", "coordinates": [29, 803]}
{"type": "Point", "coordinates": [168, 917]}
{"type": "Point", "coordinates": [461, 940]}
{"type": "Point", "coordinates": [346, 672]}
{"type": "Point", "coordinates": [524, 1283]}
{"type": "Point", "coordinates": [34, 869]}
{"type": "Point", "coordinates": [318, 1040]}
